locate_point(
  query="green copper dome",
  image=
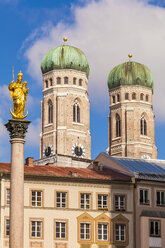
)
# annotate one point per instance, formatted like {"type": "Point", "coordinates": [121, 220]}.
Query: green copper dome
{"type": "Point", "coordinates": [65, 57]}
{"type": "Point", "coordinates": [130, 73]}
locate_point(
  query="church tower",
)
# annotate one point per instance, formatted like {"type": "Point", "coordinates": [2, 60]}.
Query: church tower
{"type": "Point", "coordinates": [65, 108]}
{"type": "Point", "coordinates": [131, 119]}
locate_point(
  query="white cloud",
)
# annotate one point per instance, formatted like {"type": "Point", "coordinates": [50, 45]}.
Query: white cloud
{"type": "Point", "coordinates": [107, 30]}
{"type": "Point", "coordinates": [33, 134]}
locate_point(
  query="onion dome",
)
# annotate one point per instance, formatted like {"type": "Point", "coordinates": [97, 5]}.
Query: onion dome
{"type": "Point", "coordinates": [130, 73]}
{"type": "Point", "coordinates": [65, 57]}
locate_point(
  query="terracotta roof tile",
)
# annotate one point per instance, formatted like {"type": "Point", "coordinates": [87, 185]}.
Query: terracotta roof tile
{"type": "Point", "coordinates": [68, 172]}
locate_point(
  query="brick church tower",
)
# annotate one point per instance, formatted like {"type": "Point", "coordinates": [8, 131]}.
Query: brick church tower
{"type": "Point", "coordinates": [65, 109]}
{"type": "Point", "coordinates": [131, 119]}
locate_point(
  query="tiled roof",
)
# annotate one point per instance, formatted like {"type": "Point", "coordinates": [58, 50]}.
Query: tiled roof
{"type": "Point", "coordinates": [68, 172]}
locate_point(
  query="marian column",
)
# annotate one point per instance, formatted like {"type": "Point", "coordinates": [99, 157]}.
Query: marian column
{"type": "Point", "coordinates": [17, 128]}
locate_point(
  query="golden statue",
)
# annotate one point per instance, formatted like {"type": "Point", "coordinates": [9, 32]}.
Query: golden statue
{"type": "Point", "coordinates": [18, 93]}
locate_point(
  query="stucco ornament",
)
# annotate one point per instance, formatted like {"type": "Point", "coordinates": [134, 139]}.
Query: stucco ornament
{"type": "Point", "coordinates": [18, 93]}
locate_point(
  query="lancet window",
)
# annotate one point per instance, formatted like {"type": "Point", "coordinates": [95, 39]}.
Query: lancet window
{"type": "Point", "coordinates": [143, 126]}
{"type": "Point", "coordinates": [76, 112]}
{"type": "Point", "coordinates": [50, 111]}
{"type": "Point", "coordinates": [118, 126]}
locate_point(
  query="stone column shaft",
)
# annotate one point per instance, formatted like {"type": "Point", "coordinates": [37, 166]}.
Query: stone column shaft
{"type": "Point", "coordinates": [17, 193]}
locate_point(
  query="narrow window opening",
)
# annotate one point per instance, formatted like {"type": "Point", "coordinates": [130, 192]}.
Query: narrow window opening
{"type": "Point", "coordinates": [76, 112]}
{"type": "Point", "coordinates": [143, 126]}
{"type": "Point", "coordinates": [50, 112]}
{"type": "Point", "coordinates": [118, 126]}
{"type": "Point", "coordinates": [118, 97]}
{"type": "Point", "coordinates": [51, 82]}
{"type": "Point", "coordinates": [74, 81]}
{"type": "Point", "coordinates": [146, 98]}
{"type": "Point", "coordinates": [46, 83]}
{"type": "Point", "coordinates": [113, 99]}
{"type": "Point", "coordinates": [65, 80]}
{"type": "Point", "coordinates": [126, 96]}
{"type": "Point", "coordinates": [58, 80]}
{"type": "Point", "coordinates": [80, 82]}
{"type": "Point", "coordinates": [134, 96]}
{"type": "Point", "coordinates": [141, 96]}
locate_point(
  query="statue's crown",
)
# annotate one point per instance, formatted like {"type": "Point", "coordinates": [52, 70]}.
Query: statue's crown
{"type": "Point", "coordinates": [20, 74]}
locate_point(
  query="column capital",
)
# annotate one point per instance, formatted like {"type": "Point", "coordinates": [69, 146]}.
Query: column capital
{"type": "Point", "coordinates": [17, 128]}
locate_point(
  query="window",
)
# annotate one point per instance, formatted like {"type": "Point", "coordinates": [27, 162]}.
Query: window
{"type": "Point", "coordinates": [36, 229]}
{"type": "Point", "coordinates": [61, 199]}
{"type": "Point", "coordinates": [160, 198]}
{"type": "Point", "coordinates": [103, 231]}
{"type": "Point", "coordinates": [76, 112]}
{"type": "Point", "coordinates": [155, 228]}
{"type": "Point", "coordinates": [120, 232]}
{"type": "Point", "coordinates": [65, 80]}
{"type": "Point", "coordinates": [85, 231]}
{"type": "Point", "coordinates": [118, 97]}
{"type": "Point", "coordinates": [144, 196]}
{"type": "Point", "coordinates": [113, 99]}
{"type": "Point", "coordinates": [118, 126]}
{"type": "Point", "coordinates": [58, 80]}
{"type": "Point", "coordinates": [119, 202]}
{"type": "Point", "coordinates": [50, 112]}
{"type": "Point", "coordinates": [102, 201]}
{"type": "Point", "coordinates": [85, 201]}
{"type": "Point", "coordinates": [141, 96]}
{"type": "Point", "coordinates": [126, 96]}
{"type": "Point", "coordinates": [7, 196]}
{"type": "Point", "coordinates": [80, 82]}
{"type": "Point", "coordinates": [36, 198]}
{"type": "Point", "coordinates": [74, 80]}
{"type": "Point", "coordinates": [143, 126]}
{"type": "Point", "coordinates": [60, 230]}
{"type": "Point", "coordinates": [51, 82]}
{"type": "Point", "coordinates": [46, 83]}
{"type": "Point", "coordinates": [134, 96]}
{"type": "Point", "coordinates": [7, 227]}
{"type": "Point", "coordinates": [147, 98]}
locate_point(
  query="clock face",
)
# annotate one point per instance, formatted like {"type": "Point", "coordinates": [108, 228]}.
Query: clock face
{"type": "Point", "coordinates": [47, 151]}
{"type": "Point", "coordinates": [78, 150]}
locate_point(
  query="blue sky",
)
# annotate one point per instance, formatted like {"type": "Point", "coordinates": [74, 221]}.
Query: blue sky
{"type": "Point", "coordinates": [106, 30]}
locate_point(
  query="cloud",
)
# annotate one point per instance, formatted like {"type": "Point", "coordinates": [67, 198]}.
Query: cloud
{"type": "Point", "coordinates": [33, 134]}
{"type": "Point", "coordinates": [107, 30]}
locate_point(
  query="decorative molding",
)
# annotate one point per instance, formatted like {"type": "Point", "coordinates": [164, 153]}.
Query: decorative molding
{"type": "Point", "coordinates": [17, 128]}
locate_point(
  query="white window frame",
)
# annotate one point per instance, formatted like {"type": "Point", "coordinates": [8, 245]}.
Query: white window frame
{"type": "Point", "coordinates": [7, 196]}
{"type": "Point", "coordinates": [7, 227]}
{"type": "Point", "coordinates": [85, 202]}
{"type": "Point", "coordinates": [159, 228]}
{"type": "Point", "coordinates": [145, 201]}
{"type": "Point", "coordinates": [36, 224]}
{"type": "Point", "coordinates": [37, 201]}
{"type": "Point", "coordinates": [60, 223]}
{"type": "Point", "coordinates": [118, 201]}
{"type": "Point", "coordinates": [60, 203]}
{"type": "Point", "coordinates": [161, 198]}
{"type": "Point", "coordinates": [120, 225]}
{"type": "Point", "coordinates": [86, 226]}
{"type": "Point", "coordinates": [103, 230]}
{"type": "Point", "coordinates": [100, 202]}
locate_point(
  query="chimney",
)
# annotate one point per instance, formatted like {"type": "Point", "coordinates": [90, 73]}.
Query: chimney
{"type": "Point", "coordinates": [29, 161]}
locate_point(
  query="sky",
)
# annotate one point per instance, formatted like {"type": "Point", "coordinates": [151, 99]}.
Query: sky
{"type": "Point", "coordinates": [105, 30]}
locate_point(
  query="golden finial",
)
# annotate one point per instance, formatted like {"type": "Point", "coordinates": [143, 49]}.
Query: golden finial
{"type": "Point", "coordinates": [20, 74]}
{"type": "Point", "coordinates": [65, 39]}
{"type": "Point", "coordinates": [130, 55]}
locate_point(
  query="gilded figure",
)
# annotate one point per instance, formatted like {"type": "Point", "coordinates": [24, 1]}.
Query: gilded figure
{"type": "Point", "coordinates": [18, 93]}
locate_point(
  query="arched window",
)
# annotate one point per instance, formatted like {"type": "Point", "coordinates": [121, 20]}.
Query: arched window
{"type": "Point", "coordinates": [143, 126]}
{"type": "Point", "coordinates": [46, 83]}
{"type": "Point", "coordinates": [133, 96]}
{"type": "Point", "coordinates": [65, 80]}
{"type": "Point", "coordinates": [58, 80]}
{"type": "Point", "coordinates": [146, 98]}
{"type": "Point", "coordinates": [76, 112]}
{"type": "Point", "coordinates": [118, 97]}
{"type": "Point", "coordinates": [141, 96]}
{"type": "Point", "coordinates": [80, 82]}
{"type": "Point", "coordinates": [113, 99]}
{"type": "Point", "coordinates": [51, 82]}
{"type": "Point", "coordinates": [118, 126]}
{"type": "Point", "coordinates": [74, 80]}
{"type": "Point", "coordinates": [50, 112]}
{"type": "Point", "coordinates": [126, 96]}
